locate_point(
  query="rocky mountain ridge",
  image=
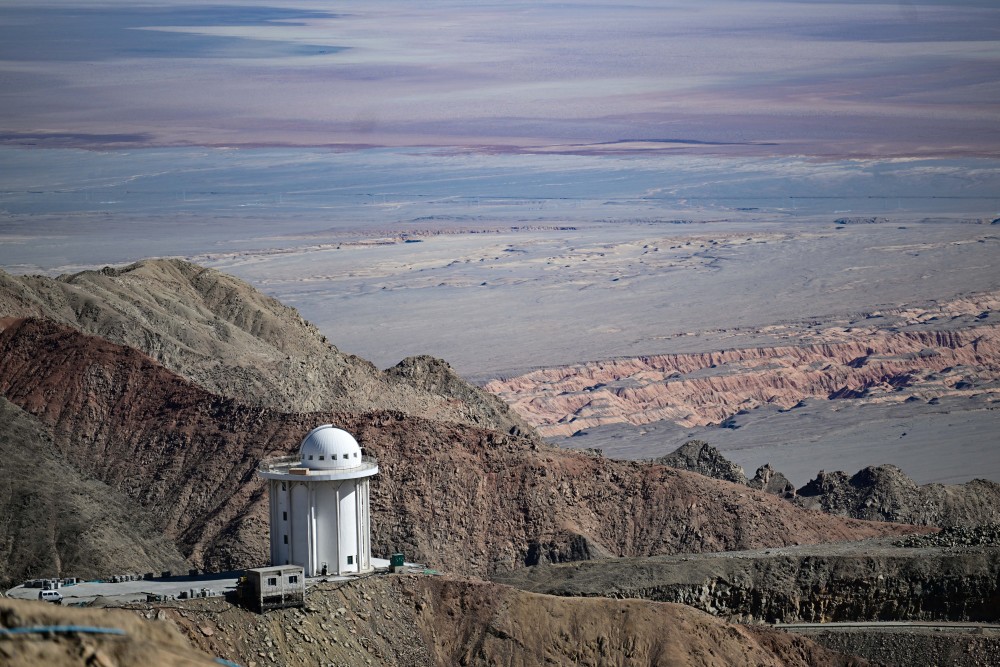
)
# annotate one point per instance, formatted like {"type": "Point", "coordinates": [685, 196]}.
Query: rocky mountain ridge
{"type": "Point", "coordinates": [465, 499]}
{"type": "Point", "coordinates": [876, 493]}
{"type": "Point", "coordinates": [885, 493]}
{"type": "Point", "coordinates": [224, 335]}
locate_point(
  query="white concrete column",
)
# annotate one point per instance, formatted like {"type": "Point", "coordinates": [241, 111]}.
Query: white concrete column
{"type": "Point", "coordinates": [339, 570]}
{"type": "Point", "coordinates": [273, 524]}
{"type": "Point", "coordinates": [313, 565]}
{"type": "Point", "coordinates": [358, 522]}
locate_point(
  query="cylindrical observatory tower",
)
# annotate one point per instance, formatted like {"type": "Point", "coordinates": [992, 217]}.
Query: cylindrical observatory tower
{"type": "Point", "coordinates": [320, 514]}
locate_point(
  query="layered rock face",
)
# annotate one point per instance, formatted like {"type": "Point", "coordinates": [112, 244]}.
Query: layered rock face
{"type": "Point", "coordinates": [698, 389]}
{"type": "Point", "coordinates": [913, 647]}
{"type": "Point", "coordinates": [463, 498]}
{"type": "Point", "coordinates": [876, 581]}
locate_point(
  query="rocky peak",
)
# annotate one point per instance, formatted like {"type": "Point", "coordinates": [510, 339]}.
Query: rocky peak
{"type": "Point", "coordinates": [824, 484]}
{"type": "Point", "coordinates": [700, 457]}
{"type": "Point", "coordinates": [436, 376]}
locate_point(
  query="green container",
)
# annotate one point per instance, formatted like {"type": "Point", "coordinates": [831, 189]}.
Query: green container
{"type": "Point", "coordinates": [396, 560]}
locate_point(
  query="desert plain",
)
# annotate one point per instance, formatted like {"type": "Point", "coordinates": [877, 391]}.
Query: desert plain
{"type": "Point", "coordinates": [769, 227]}
{"type": "Point", "coordinates": [832, 330]}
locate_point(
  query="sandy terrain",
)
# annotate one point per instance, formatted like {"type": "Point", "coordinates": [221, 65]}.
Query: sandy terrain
{"type": "Point", "coordinates": [495, 303]}
{"type": "Point", "coordinates": [503, 264]}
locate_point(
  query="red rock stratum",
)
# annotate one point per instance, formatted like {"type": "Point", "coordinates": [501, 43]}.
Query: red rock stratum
{"type": "Point", "coordinates": [706, 388]}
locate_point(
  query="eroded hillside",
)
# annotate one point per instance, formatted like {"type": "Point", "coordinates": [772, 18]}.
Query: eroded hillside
{"type": "Point", "coordinates": [466, 499]}
{"type": "Point", "coordinates": [904, 356]}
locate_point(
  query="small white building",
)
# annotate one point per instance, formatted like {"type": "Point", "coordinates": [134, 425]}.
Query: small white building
{"type": "Point", "coordinates": [319, 501]}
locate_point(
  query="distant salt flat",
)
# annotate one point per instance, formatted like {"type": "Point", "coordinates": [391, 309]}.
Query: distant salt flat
{"type": "Point", "coordinates": [794, 77]}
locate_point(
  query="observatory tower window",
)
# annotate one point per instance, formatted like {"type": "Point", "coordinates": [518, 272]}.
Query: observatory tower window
{"type": "Point", "coordinates": [345, 456]}
{"type": "Point", "coordinates": [310, 457]}
{"type": "Point", "coordinates": [350, 560]}
{"type": "Point", "coordinates": [286, 539]}
{"type": "Point", "coordinates": [284, 516]}
{"type": "Point", "coordinates": [321, 457]}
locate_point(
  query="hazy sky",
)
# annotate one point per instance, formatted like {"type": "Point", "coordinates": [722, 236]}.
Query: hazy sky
{"type": "Point", "coordinates": [814, 78]}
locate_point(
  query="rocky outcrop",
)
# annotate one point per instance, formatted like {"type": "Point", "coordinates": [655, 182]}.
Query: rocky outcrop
{"type": "Point", "coordinates": [885, 493]}
{"type": "Point", "coordinates": [461, 498]}
{"type": "Point", "coordinates": [224, 335]}
{"type": "Point", "coordinates": [700, 457]}
{"type": "Point", "coordinates": [769, 480]}
{"type": "Point", "coordinates": [436, 377]}
{"type": "Point", "coordinates": [861, 582]}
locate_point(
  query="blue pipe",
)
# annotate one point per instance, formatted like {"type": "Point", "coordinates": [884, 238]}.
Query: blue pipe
{"type": "Point", "coordinates": [41, 629]}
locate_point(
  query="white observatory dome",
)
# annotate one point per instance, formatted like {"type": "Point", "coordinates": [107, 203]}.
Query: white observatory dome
{"type": "Point", "coordinates": [329, 448]}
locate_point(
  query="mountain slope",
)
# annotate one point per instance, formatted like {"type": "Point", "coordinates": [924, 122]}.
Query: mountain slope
{"type": "Point", "coordinates": [140, 642]}
{"type": "Point", "coordinates": [409, 621]}
{"type": "Point", "coordinates": [464, 498]}
{"type": "Point", "coordinates": [224, 335]}
{"type": "Point", "coordinates": [55, 521]}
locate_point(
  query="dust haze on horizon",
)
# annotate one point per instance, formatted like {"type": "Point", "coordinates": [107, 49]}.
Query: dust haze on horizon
{"type": "Point", "coordinates": [788, 77]}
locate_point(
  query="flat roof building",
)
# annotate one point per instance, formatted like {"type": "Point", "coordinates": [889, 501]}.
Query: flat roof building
{"type": "Point", "coordinates": [274, 587]}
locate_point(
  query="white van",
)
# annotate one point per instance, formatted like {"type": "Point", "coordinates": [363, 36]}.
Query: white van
{"type": "Point", "coordinates": [51, 596]}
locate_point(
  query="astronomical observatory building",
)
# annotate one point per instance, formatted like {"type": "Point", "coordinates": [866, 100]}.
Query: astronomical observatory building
{"type": "Point", "coordinates": [320, 512]}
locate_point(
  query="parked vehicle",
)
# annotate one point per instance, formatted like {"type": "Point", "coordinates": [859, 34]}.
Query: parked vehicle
{"type": "Point", "coordinates": [53, 596]}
